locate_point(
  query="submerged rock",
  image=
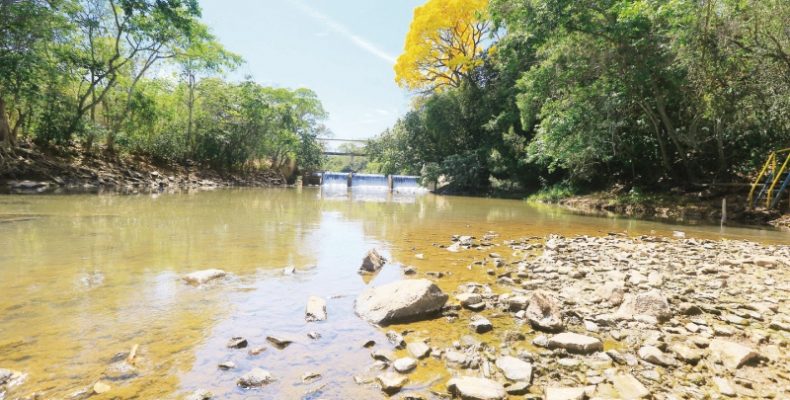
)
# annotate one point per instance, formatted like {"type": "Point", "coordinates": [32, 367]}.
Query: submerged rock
{"type": "Point", "coordinates": [256, 378]}
{"type": "Point", "coordinates": [204, 276]}
{"type": "Point", "coordinates": [279, 342]}
{"type": "Point", "coordinates": [409, 299]}
{"type": "Point", "coordinates": [200, 394]}
{"type": "Point", "coordinates": [315, 310]}
{"type": "Point", "coordinates": [543, 312]}
{"type": "Point", "coordinates": [471, 388]}
{"type": "Point", "coordinates": [372, 262]}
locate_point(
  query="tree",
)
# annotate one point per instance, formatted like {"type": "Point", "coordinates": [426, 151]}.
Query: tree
{"type": "Point", "coordinates": [445, 43]}
{"type": "Point", "coordinates": [201, 54]}
{"type": "Point", "coordinates": [123, 36]}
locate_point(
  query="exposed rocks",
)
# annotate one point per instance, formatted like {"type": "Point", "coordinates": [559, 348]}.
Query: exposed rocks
{"type": "Point", "coordinates": [404, 365]}
{"type": "Point", "coordinates": [628, 387]}
{"type": "Point", "coordinates": [279, 341]}
{"type": "Point", "coordinates": [480, 324]}
{"type": "Point", "coordinates": [543, 312]}
{"type": "Point", "coordinates": [651, 303]}
{"type": "Point", "coordinates": [515, 369]}
{"type": "Point", "coordinates": [237, 342]}
{"type": "Point", "coordinates": [471, 388]}
{"type": "Point", "coordinates": [256, 378]}
{"type": "Point", "coordinates": [101, 388]}
{"type": "Point", "coordinates": [418, 349]}
{"type": "Point", "coordinates": [575, 343]}
{"type": "Point", "coordinates": [204, 276]}
{"type": "Point", "coordinates": [655, 356]}
{"type": "Point", "coordinates": [565, 393]}
{"type": "Point", "coordinates": [404, 300]}
{"type": "Point", "coordinates": [731, 354]}
{"type": "Point", "coordinates": [315, 310]}
{"type": "Point", "coordinates": [200, 394]}
{"type": "Point", "coordinates": [391, 382]}
{"type": "Point", "coordinates": [372, 262]}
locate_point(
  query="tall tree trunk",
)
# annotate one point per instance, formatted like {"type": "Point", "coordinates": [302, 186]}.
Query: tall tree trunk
{"type": "Point", "coordinates": [5, 130]}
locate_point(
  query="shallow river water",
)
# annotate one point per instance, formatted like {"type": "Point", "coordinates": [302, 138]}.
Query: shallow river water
{"type": "Point", "coordinates": [85, 277]}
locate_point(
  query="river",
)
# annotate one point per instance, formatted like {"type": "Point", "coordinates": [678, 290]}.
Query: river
{"type": "Point", "coordinates": [84, 277]}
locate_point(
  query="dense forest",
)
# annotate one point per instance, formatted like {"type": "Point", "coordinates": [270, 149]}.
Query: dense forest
{"type": "Point", "coordinates": [143, 77]}
{"type": "Point", "coordinates": [527, 94]}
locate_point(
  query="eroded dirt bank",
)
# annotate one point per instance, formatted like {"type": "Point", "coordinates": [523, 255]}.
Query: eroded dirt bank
{"type": "Point", "coordinates": [678, 208]}
{"type": "Point", "coordinates": [33, 170]}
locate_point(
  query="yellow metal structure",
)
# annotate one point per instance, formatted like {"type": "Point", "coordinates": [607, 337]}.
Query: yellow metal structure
{"type": "Point", "coordinates": [770, 176]}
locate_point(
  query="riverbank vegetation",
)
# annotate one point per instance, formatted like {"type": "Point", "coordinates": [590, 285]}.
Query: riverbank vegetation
{"type": "Point", "coordinates": [142, 77]}
{"type": "Point", "coordinates": [529, 94]}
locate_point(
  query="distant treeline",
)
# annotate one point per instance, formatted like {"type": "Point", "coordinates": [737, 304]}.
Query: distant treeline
{"type": "Point", "coordinates": [142, 76]}
{"type": "Point", "coordinates": [532, 93]}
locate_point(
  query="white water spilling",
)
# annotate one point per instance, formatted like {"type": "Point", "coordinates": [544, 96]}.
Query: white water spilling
{"type": "Point", "coordinates": [406, 184]}
{"type": "Point", "coordinates": [335, 179]}
{"type": "Point", "coordinates": [369, 182]}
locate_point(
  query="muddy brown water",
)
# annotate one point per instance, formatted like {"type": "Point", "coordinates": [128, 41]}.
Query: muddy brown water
{"type": "Point", "coordinates": [85, 277]}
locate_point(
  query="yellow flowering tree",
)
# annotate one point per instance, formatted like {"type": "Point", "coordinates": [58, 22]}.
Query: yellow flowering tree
{"type": "Point", "coordinates": [445, 43]}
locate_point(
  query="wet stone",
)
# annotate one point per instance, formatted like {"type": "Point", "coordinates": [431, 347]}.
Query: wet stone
{"type": "Point", "coordinates": [418, 349]}
{"type": "Point", "coordinates": [391, 382]}
{"type": "Point", "coordinates": [471, 388]}
{"type": "Point", "coordinates": [279, 342]}
{"type": "Point", "coordinates": [315, 310]}
{"type": "Point", "coordinates": [404, 365]}
{"type": "Point", "coordinates": [237, 342]}
{"type": "Point", "coordinates": [256, 378]}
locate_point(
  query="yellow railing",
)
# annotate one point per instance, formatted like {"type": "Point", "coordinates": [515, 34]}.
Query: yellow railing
{"type": "Point", "coordinates": [773, 172]}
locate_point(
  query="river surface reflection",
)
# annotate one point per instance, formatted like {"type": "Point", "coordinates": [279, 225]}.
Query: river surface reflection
{"type": "Point", "coordinates": [84, 277]}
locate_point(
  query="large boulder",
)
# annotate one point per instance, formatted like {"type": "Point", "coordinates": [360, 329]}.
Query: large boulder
{"type": "Point", "coordinates": [471, 388]}
{"type": "Point", "coordinates": [543, 312]}
{"type": "Point", "coordinates": [372, 262]}
{"type": "Point", "coordinates": [406, 300]}
{"type": "Point", "coordinates": [651, 303]}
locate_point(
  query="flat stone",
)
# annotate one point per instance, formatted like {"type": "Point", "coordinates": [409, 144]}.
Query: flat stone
{"type": "Point", "coordinates": [515, 369]}
{"type": "Point", "coordinates": [315, 310]}
{"type": "Point", "coordinates": [204, 276]}
{"type": "Point", "coordinates": [575, 343]}
{"type": "Point", "coordinates": [372, 262]}
{"type": "Point", "coordinates": [418, 349]}
{"type": "Point", "coordinates": [396, 339]}
{"type": "Point", "coordinates": [279, 342]}
{"type": "Point", "coordinates": [471, 388]}
{"type": "Point", "coordinates": [517, 388]}
{"type": "Point", "coordinates": [724, 387]}
{"type": "Point", "coordinates": [628, 387]}
{"type": "Point", "coordinates": [404, 365]}
{"type": "Point", "coordinates": [731, 354]}
{"type": "Point", "coordinates": [405, 300]}
{"type": "Point", "coordinates": [655, 356]}
{"type": "Point", "coordinates": [565, 393]}
{"type": "Point", "coordinates": [467, 299]}
{"type": "Point", "coordinates": [256, 378]}
{"type": "Point", "coordinates": [391, 382]}
{"type": "Point", "coordinates": [686, 353]}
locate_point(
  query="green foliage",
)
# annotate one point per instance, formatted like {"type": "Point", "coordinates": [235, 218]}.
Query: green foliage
{"type": "Point", "coordinates": [554, 193]}
{"type": "Point", "coordinates": [598, 92]}
{"type": "Point", "coordinates": [80, 69]}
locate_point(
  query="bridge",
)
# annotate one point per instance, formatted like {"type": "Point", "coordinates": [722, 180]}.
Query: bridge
{"type": "Point", "coordinates": [343, 152]}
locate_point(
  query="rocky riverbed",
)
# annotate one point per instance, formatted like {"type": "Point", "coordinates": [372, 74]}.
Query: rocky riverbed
{"type": "Point", "coordinates": [606, 318]}
{"type": "Point", "coordinates": [611, 317]}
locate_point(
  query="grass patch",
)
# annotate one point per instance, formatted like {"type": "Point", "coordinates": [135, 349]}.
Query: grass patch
{"type": "Point", "coordinates": [554, 193]}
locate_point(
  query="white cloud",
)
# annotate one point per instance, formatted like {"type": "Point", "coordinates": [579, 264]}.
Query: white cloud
{"type": "Point", "coordinates": [359, 41]}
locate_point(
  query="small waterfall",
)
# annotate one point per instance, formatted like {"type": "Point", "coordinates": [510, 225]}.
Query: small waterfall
{"type": "Point", "coordinates": [335, 180]}
{"type": "Point", "coordinates": [406, 184]}
{"type": "Point", "coordinates": [369, 181]}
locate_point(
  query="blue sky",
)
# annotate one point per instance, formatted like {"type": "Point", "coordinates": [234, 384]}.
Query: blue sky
{"type": "Point", "coordinates": [342, 49]}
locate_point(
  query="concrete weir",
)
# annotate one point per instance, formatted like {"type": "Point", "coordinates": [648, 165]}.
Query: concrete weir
{"type": "Point", "coordinates": [396, 183]}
